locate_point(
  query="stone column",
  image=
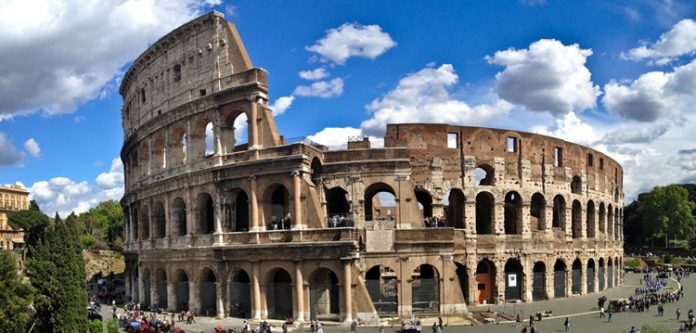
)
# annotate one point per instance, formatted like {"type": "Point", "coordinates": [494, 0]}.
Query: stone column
{"type": "Point", "coordinates": [167, 221]}
{"type": "Point", "coordinates": [255, 292]}
{"type": "Point", "coordinates": [190, 214]}
{"type": "Point", "coordinates": [299, 292]}
{"type": "Point", "coordinates": [219, 293]}
{"type": "Point", "coordinates": [473, 285]}
{"type": "Point", "coordinates": [253, 126]}
{"type": "Point", "coordinates": [253, 202]}
{"type": "Point", "coordinates": [527, 280]}
{"type": "Point", "coordinates": [194, 300]}
{"type": "Point", "coordinates": [595, 278]}
{"type": "Point", "coordinates": [165, 149]}
{"type": "Point", "coordinates": [568, 220]}
{"type": "Point", "coordinates": [347, 291]}
{"type": "Point", "coordinates": [298, 222]}
{"type": "Point", "coordinates": [583, 222]}
{"type": "Point", "coordinates": [583, 277]}
{"type": "Point", "coordinates": [154, 291]}
{"type": "Point", "coordinates": [470, 218]}
{"type": "Point", "coordinates": [526, 219]}
{"type": "Point", "coordinates": [499, 288]}
{"type": "Point", "coordinates": [128, 274]}
{"type": "Point", "coordinates": [217, 134]}
{"type": "Point", "coordinates": [171, 295]}
{"type": "Point", "coordinates": [189, 147]}
{"type": "Point", "coordinates": [498, 227]}
{"type": "Point", "coordinates": [141, 285]}
{"type": "Point", "coordinates": [549, 285]}
{"type": "Point", "coordinates": [569, 280]}
{"type": "Point", "coordinates": [218, 237]}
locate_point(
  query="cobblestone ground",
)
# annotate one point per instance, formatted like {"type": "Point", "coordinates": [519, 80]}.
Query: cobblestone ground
{"type": "Point", "coordinates": [582, 311]}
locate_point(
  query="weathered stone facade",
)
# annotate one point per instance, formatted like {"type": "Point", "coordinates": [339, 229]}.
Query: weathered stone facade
{"type": "Point", "coordinates": [273, 229]}
{"type": "Point", "coordinates": [12, 198]}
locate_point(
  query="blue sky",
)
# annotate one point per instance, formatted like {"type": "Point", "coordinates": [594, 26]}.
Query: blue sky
{"type": "Point", "coordinates": [614, 75]}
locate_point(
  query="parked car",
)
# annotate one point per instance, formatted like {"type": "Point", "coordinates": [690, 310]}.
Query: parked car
{"type": "Point", "coordinates": [93, 314]}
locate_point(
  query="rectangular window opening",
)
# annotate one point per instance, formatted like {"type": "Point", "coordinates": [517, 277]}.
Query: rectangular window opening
{"type": "Point", "coordinates": [177, 73]}
{"type": "Point", "coordinates": [452, 140]}
{"type": "Point", "coordinates": [590, 160]}
{"type": "Point", "coordinates": [558, 157]}
{"type": "Point", "coordinates": [202, 92]}
{"type": "Point", "coordinates": [512, 144]}
{"type": "Point", "coordinates": [601, 163]}
{"type": "Point", "coordinates": [143, 99]}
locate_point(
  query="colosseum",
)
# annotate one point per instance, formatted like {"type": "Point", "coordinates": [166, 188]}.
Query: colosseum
{"type": "Point", "coordinates": [227, 217]}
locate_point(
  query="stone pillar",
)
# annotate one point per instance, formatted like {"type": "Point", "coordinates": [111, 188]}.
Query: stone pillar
{"type": "Point", "coordinates": [141, 285]}
{"type": "Point", "coordinates": [255, 292]}
{"type": "Point", "coordinates": [583, 222]}
{"type": "Point", "coordinates": [219, 293]}
{"type": "Point", "coordinates": [253, 126]}
{"type": "Point", "coordinates": [473, 286]}
{"type": "Point", "coordinates": [583, 278]}
{"type": "Point", "coordinates": [217, 134]}
{"type": "Point", "coordinates": [128, 272]}
{"type": "Point", "coordinates": [190, 213]}
{"type": "Point", "coordinates": [549, 285]}
{"type": "Point", "coordinates": [568, 220]}
{"type": "Point", "coordinates": [499, 288]}
{"type": "Point", "coordinates": [218, 237]}
{"type": "Point", "coordinates": [347, 291]}
{"type": "Point", "coordinates": [194, 300]}
{"type": "Point", "coordinates": [527, 280]}
{"type": "Point", "coordinates": [526, 219]}
{"type": "Point", "coordinates": [405, 298]}
{"type": "Point", "coordinates": [165, 149]}
{"type": "Point", "coordinates": [470, 218]}
{"type": "Point", "coordinates": [298, 222]}
{"type": "Point", "coordinates": [569, 280]}
{"type": "Point", "coordinates": [299, 292]}
{"type": "Point", "coordinates": [171, 295]}
{"type": "Point", "coordinates": [595, 277]}
{"type": "Point", "coordinates": [154, 291]}
{"type": "Point", "coordinates": [498, 227]}
{"type": "Point", "coordinates": [253, 202]}
{"type": "Point", "coordinates": [189, 147]}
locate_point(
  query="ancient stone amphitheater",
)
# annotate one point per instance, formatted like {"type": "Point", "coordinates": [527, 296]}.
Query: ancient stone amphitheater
{"type": "Point", "coordinates": [227, 217]}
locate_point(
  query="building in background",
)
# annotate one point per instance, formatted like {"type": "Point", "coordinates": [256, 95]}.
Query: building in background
{"type": "Point", "coordinates": [12, 198]}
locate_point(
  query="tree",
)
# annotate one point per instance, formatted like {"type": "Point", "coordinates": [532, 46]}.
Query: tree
{"type": "Point", "coordinates": [15, 296]}
{"type": "Point", "coordinates": [102, 226]}
{"type": "Point", "coordinates": [667, 212]}
{"type": "Point", "coordinates": [32, 221]}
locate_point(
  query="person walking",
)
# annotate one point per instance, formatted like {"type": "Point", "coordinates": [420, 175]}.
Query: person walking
{"type": "Point", "coordinates": [601, 312]}
{"type": "Point", "coordinates": [678, 313]}
{"type": "Point", "coordinates": [609, 319]}
{"type": "Point", "coordinates": [566, 324]}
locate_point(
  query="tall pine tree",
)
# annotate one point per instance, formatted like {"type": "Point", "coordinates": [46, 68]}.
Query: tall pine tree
{"type": "Point", "coordinates": [15, 296]}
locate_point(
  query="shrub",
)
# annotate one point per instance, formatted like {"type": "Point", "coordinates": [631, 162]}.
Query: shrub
{"type": "Point", "coordinates": [112, 326]}
{"type": "Point", "coordinates": [95, 326]}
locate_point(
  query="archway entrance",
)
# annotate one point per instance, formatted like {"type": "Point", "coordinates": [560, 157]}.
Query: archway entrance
{"type": "Point", "coordinates": [600, 274]}
{"type": "Point", "coordinates": [161, 289]}
{"type": "Point", "coordinates": [576, 276]}
{"type": "Point", "coordinates": [382, 286]}
{"type": "Point", "coordinates": [179, 215]}
{"type": "Point", "coordinates": [280, 209]}
{"type": "Point", "coordinates": [338, 208]}
{"type": "Point", "coordinates": [590, 275]}
{"type": "Point", "coordinates": [513, 280]}
{"type": "Point", "coordinates": [323, 295]}
{"type": "Point", "coordinates": [485, 274]}
{"type": "Point", "coordinates": [463, 278]}
{"type": "Point", "coordinates": [455, 209]}
{"type": "Point", "coordinates": [208, 293]}
{"type": "Point", "coordinates": [241, 212]}
{"type": "Point", "coordinates": [559, 279]}
{"type": "Point", "coordinates": [513, 213]}
{"type": "Point", "coordinates": [610, 274]}
{"type": "Point", "coordinates": [425, 290]}
{"type": "Point", "coordinates": [380, 203]}
{"type": "Point", "coordinates": [146, 288]}
{"type": "Point", "coordinates": [182, 290]}
{"type": "Point", "coordinates": [206, 214]}
{"type": "Point", "coordinates": [240, 295]}
{"type": "Point", "coordinates": [539, 281]}
{"type": "Point", "coordinates": [279, 295]}
{"type": "Point", "coordinates": [484, 213]}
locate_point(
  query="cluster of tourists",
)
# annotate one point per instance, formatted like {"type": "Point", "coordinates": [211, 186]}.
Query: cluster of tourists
{"type": "Point", "coordinates": [134, 320]}
{"type": "Point", "coordinates": [340, 221]}
{"type": "Point", "coordinates": [435, 222]}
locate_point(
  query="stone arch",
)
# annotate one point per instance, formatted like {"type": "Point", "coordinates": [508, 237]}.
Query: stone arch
{"type": "Point", "coordinates": [201, 137]}
{"type": "Point", "coordinates": [425, 202]}
{"type": "Point", "coordinates": [278, 197]}
{"type": "Point", "coordinates": [425, 289]}
{"type": "Point", "coordinates": [179, 215]}
{"type": "Point", "coordinates": [485, 282]}
{"type": "Point", "coordinates": [160, 220]}
{"type": "Point", "coordinates": [602, 218]}
{"type": "Point", "coordinates": [610, 221]}
{"type": "Point", "coordinates": [205, 214]}
{"type": "Point", "coordinates": [610, 273]}
{"type": "Point", "coordinates": [207, 291]}
{"type": "Point", "coordinates": [455, 208]}
{"type": "Point", "coordinates": [559, 278]}
{"type": "Point", "coordinates": [234, 134]}
{"type": "Point", "coordinates": [576, 276]}
{"type": "Point", "coordinates": [279, 294]}
{"type": "Point", "coordinates": [239, 214]}
{"type": "Point", "coordinates": [539, 281]}
{"type": "Point", "coordinates": [375, 208]}
{"type": "Point", "coordinates": [514, 276]}
{"type": "Point", "coordinates": [161, 279]}
{"type": "Point", "coordinates": [537, 211]}
{"type": "Point", "coordinates": [338, 207]}
{"type": "Point", "coordinates": [239, 286]}
{"type": "Point", "coordinates": [484, 175]}
{"type": "Point", "coordinates": [559, 212]}
{"type": "Point", "coordinates": [144, 153]}
{"type": "Point", "coordinates": [159, 153]}
{"type": "Point", "coordinates": [590, 219]}
{"type": "Point", "coordinates": [576, 185]}
{"type": "Point", "coordinates": [316, 170]}
{"type": "Point", "coordinates": [324, 294]}
{"type": "Point", "coordinates": [147, 287]}
{"type": "Point", "coordinates": [145, 222]}
{"type": "Point", "coordinates": [177, 146]}
{"type": "Point", "coordinates": [577, 219]}
{"type": "Point", "coordinates": [601, 272]}
{"type": "Point", "coordinates": [485, 213]}
{"type": "Point", "coordinates": [463, 279]}
{"type": "Point", "coordinates": [590, 274]}
{"type": "Point", "coordinates": [209, 139]}
{"type": "Point", "coordinates": [513, 213]}
{"type": "Point", "coordinates": [383, 288]}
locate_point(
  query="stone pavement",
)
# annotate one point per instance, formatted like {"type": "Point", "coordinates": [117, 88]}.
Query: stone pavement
{"type": "Point", "coordinates": [582, 310]}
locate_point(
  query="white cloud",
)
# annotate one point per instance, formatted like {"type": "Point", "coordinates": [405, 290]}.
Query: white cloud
{"type": "Point", "coordinates": [424, 97]}
{"type": "Point", "coordinates": [324, 89]}
{"type": "Point", "coordinates": [653, 95]}
{"type": "Point", "coordinates": [281, 105]}
{"type": "Point", "coordinates": [548, 76]}
{"type": "Point", "coordinates": [352, 40]}
{"type": "Point", "coordinates": [570, 128]}
{"type": "Point", "coordinates": [634, 133]}
{"type": "Point", "coordinates": [59, 54]}
{"type": "Point", "coordinates": [315, 74]}
{"type": "Point", "coordinates": [335, 136]}
{"type": "Point", "coordinates": [32, 147]}
{"type": "Point", "coordinates": [678, 41]}
{"type": "Point", "coordinates": [114, 177]}
{"type": "Point", "coordinates": [8, 153]}
{"type": "Point", "coordinates": [685, 159]}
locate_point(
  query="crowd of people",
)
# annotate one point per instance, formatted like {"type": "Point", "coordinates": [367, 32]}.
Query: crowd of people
{"type": "Point", "coordinates": [435, 222]}
{"type": "Point", "coordinates": [340, 221]}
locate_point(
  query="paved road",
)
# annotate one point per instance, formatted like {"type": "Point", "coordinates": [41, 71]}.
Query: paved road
{"type": "Point", "coordinates": [581, 309]}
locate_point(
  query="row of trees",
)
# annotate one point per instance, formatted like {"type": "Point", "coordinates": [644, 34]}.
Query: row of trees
{"type": "Point", "coordinates": [665, 216]}
{"type": "Point", "coordinates": [102, 227]}
{"type": "Point", "coordinates": [52, 296]}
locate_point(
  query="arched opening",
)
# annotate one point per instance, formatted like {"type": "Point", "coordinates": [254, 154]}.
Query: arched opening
{"type": "Point", "coordinates": [177, 147]}
{"type": "Point", "coordinates": [208, 293]}
{"type": "Point", "coordinates": [576, 277]}
{"type": "Point", "coordinates": [537, 212]}
{"type": "Point", "coordinates": [484, 213]}
{"type": "Point", "coordinates": [610, 222]}
{"type": "Point", "coordinates": [159, 153]}
{"type": "Point", "coordinates": [382, 286]}
{"type": "Point", "coordinates": [161, 289]}
{"type": "Point", "coordinates": [234, 134]}
{"type": "Point", "coordinates": [602, 218]}
{"type": "Point", "coordinates": [338, 208]}
{"type": "Point", "coordinates": [539, 281]}
{"type": "Point", "coordinates": [316, 171]}
{"type": "Point", "coordinates": [425, 203]}
{"type": "Point", "coordinates": [577, 219]}
{"type": "Point", "coordinates": [559, 279]}
{"type": "Point", "coordinates": [455, 210]}
{"type": "Point", "coordinates": [240, 218]}
{"type": "Point", "coordinates": [615, 224]}
{"type": "Point", "coordinates": [279, 294]}
{"type": "Point", "coordinates": [610, 273]}
{"type": "Point", "coordinates": [182, 290]}
{"type": "Point", "coordinates": [145, 222]}
{"type": "Point", "coordinates": [425, 289]}
{"type": "Point", "coordinates": [144, 160]}
{"type": "Point", "coordinates": [380, 203]}
{"type": "Point", "coordinates": [323, 295]}
{"type": "Point", "coordinates": [576, 185]}
{"type": "Point", "coordinates": [179, 215]}
{"type": "Point", "coordinates": [240, 295]}
{"type": "Point", "coordinates": [463, 278]}
{"type": "Point", "coordinates": [205, 210]}
{"type": "Point", "coordinates": [485, 282]}
{"type": "Point", "coordinates": [483, 175]}
{"type": "Point", "coordinates": [590, 274]}
{"type": "Point", "coordinates": [209, 139]}
{"type": "Point", "coordinates": [146, 288]}
{"type": "Point", "coordinates": [135, 222]}
{"type": "Point", "coordinates": [559, 211]}
{"type": "Point", "coordinates": [513, 280]}
{"type": "Point", "coordinates": [616, 195]}
{"type": "Point", "coordinates": [280, 208]}
{"type": "Point", "coordinates": [160, 220]}
{"type": "Point", "coordinates": [134, 284]}
{"type": "Point", "coordinates": [513, 213]}
{"type": "Point", "coordinates": [600, 274]}
{"type": "Point", "coordinates": [590, 220]}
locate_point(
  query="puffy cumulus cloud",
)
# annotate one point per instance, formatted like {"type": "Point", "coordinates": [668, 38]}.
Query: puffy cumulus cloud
{"type": "Point", "coordinates": [63, 195]}
{"type": "Point", "coordinates": [678, 41]}
{"type": "Point", "coordinates": [324, 89]}
{"type": "Point", "coordinates": [653, 95]}
{"type": "Point", "coordinates": [424, 97]}
{"type": "Point", "coordinates": [59, 54]}
{"type": "Point", "coordinates": [685, 159]}
{"type": "Point", "coordinates": [570, 128]}
{"type": "Point", "coordinates": [32, 147]}
{"type": "Point", "coordinates": [280, 105]}
{"type": "Point", "coordinates": [9, 155]}
{"type": "Point", "coordinates": [315, 74]}
{"type": "Point", "coordinates": [352, 40]}
{"type": "Point", "coordinates": [335, 136]}
{"type": "Point", "coordinates": [548, 76]}
{"type": "Point", "coordinates": [634, 133]}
